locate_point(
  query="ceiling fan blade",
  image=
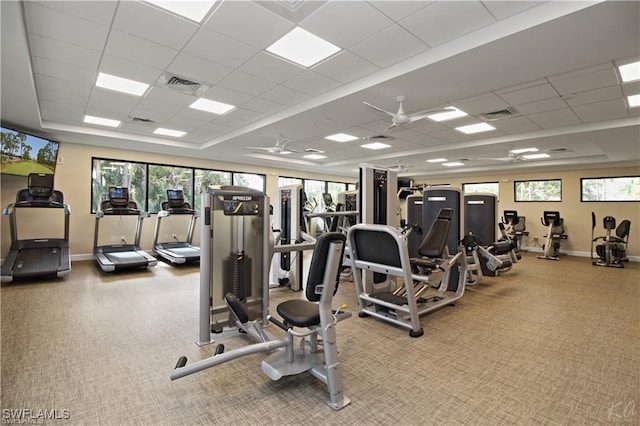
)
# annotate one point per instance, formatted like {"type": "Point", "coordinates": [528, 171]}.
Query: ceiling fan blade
{"type": "Point", "coordinates": [389, 128]}
{"type": "Point", "coordinates": [424, 114]}
{"type": "Point", "coordinates": [392, 114]}
{"type": "Point", "coordinates": [263, 148]}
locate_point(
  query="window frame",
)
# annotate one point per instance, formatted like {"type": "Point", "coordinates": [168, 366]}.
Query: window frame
{"type": "Point", "coordinates": [515, 191]}
{"type": "Point", "coordinates": [582, 179]}
{"type": "Point", "coordinates": [482, 183]}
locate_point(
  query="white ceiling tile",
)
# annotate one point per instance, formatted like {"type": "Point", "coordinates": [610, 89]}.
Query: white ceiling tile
{"type": "Point", "coordinates": [125, 68]}
{"type": "Point", "coordinates": [446, 20]}
{"type": "Point", "coordinates": [455, 136]}
{"type": "Point", "coordinates": [166, 29]}
{"type": "Point", "coordinates": [111, 101]}
{"type": "Point", "coordinates": [170, 96]}
{"type": "Point", "coordinates": [232, 121]}
{"type": "Point", "coordinates": [228, 96]}
{"type": "Point", "coordinates": [62, 97]}
{"type": "Point", "coordinates": [345, 67]}
{"type": "Point", "coordinates": [427, 126]}
{"type": "Point", "coordinates": [100, 12]}
{"type": "Point", "coordinates": [521, 86]}
{"type": "Point", "coordinates": [44, 47]}
{"type": "Point", "coordinates": [269, 67]}
{"type": "Point", "coordinates": [514, 125]}
{"type": "Point", "coordinates": [399, 9]}
{"type": "Point", "coordinates": [216, 47]}
{"type": "Point", "coordinates": [70, 114]}
{"type": "Point", "coordinates": [61, 26]}
{"type": "Point", "coordinates": [249, 23]}
{"type": "Point", "coordinates": [63, 71]}
{"type": "Point", "coordinates": [389, 46]}
{"type": "Point", "coordinates": [154, 110]}
{"type": "Point", "coordinates": [481, 104]}
{"type": "Point", "coordinates": [531, 94]}
{"type": "Point", "coordinates": [504, 9]}
{"type": "Point", "coordinates": [583, 71]}
{"type": "Point", "coordinates": [44, 82]}
{"type": "Point", "coordinates": [628, 89]}
{"type": "Point", "coordinates": [311, 83]}
{"type": "Point", "coordinates": [248, 115]}
{"type": "Point", "coordinates": [262, 105]}
{"type": "Point", "coordinates": [198, 69]}
{"type": "Point", "coordinates": [581, 83]}
{"type": "Point", "coordinates": [543, 105]}
{"type": "Point", "coordinates": [345, 31]}
{"type": "Point", "coordinates": [597, 95]}
{"type": "Point", "coordinates": [599, 111]}
{"type": "Point", "coordinates": [557, 118]}
{"type": "Point", "coordinates": [139, 50]}
{"type": "Point", "coordinates": [284, 95]}
{"type": "Point", "coordinates": [213, 129]}
{"type": "Point", "coordinates": [246, 83]}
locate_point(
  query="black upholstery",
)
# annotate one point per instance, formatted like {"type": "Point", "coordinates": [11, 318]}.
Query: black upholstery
{"type": "Point", "coordinates": [435, 241]}
{"type": "Point", "coordinates": [39, 191]}
{"type": "Point", "coordinates": [377, 247]}
{"type": "Point", "coordinates": [622, 231]}
{"type": "Point", "coordinates": [303, 313]}
{"type": "Point", "coordinates": [237, 307]}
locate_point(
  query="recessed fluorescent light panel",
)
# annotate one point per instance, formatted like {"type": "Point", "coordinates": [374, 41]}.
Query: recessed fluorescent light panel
{"type": "Point", "coordinates": [630, 72]}
{"type": "Point", "coordinates": [90, 119]}
{"type": "Point", "coordinates": [475, 128]}
{"type": "Point", "coordinates": [535, 156]}
{"type": "Point", "coordinates": [169, 132]}
{"type": "Point", "coordinates": [302, 47]}
{"type": "Point", "coordinates": [523, 150]}
{"type": "Point", "coordinates": [315, 156]}
{"type": "Point", "coordinates": [634, 100]}
{"type": "Point", "coordinates": [437, 160]}
{"type": "Point", "coordinates": [341, 137]}
{"type": "Point", "coordinates": [194, 10]}
{"type": "Point", "coordinates": [119, 84]}
{"type": "Point", "coordinates": [214, 107]}
{"type": "Point", "coordinates": [453, 164]}
{"type": "Point", "coordinates": [375, 145]}
{"type": "Point", "coordinates": [444, 116]}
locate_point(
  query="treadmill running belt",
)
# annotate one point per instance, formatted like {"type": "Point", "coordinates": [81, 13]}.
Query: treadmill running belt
{"type": "Point", "coordinates": [37, 261]}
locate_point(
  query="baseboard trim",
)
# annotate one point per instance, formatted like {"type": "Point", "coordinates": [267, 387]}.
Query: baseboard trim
{"type": "Point", "coordinates": [574, 253]}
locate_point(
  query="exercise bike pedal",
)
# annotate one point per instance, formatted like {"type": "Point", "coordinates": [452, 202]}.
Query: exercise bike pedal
{"type": "Point", "coordinates": [219, 349]}
{"type": "Point", "coordinates": [182, 361]}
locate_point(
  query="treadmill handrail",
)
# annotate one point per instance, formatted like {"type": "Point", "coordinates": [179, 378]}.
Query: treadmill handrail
{"type": "Point", "coordinates": [37, 204]}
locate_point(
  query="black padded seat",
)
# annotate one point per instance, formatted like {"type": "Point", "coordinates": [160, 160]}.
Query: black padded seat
{"type": "Point", "coordinates": [423, 262]}
{"type": "Point", "coordinates": [502, 247]}
{"type": "Point", "coordinates": [299, 313]}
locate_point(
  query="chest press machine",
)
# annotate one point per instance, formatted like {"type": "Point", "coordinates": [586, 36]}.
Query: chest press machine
{"type": "Point", "coordinates": [383, 249]}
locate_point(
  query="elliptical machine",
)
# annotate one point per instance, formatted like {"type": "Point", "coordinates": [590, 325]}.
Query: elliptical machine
{"type": "Point", "coordinates": [613, 251]}
{"type": "Point", "coordinates": [555, 234]}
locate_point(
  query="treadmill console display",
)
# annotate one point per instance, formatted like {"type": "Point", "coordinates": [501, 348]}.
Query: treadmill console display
{"type": "Point", "coordinates": [118, 196]}
{"type": "Point", "coordinates": [40, 185]}
{"type": "Point", "coordinates": [175, 197]}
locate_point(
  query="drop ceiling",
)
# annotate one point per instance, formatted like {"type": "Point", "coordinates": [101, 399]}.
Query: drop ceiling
{"type": "Point", "coordinates": [551, 65]}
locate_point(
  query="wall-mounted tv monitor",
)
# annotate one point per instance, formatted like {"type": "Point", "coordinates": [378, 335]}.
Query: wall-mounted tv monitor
{"type": "Point", "coordinates": [22, 153]}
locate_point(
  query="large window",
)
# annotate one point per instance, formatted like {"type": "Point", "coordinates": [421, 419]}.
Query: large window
{"type": "Point", "coordinates": [314, 190]}
{"type": "Point", "coordinates": [106, 173]}
{"type": "Point", "coordinates": [205, 178]}
{"type": "Point", "coordinates": [625, 188]}
{"type": "Point", "coordinates": [162, 178]}
{"type": "Point", "coordinates": [334, 188]}
{"type": "Point", "coordinates": [249, 180]}
{"type": "Point", "coordinates": [157, 178]}
{"type": "Point", "coordinates": [288, 181]}
{"type": "Point", "coordinates": [538, 190]}
{"type": "Point", "coordinates": [486, 187]}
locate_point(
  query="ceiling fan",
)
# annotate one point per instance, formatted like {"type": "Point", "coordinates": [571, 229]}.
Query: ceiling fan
{"type": "Point", "coordinates": [524, 155]}
{"type": "Point", "coordinates": [279, 148]}
{"type": "Point", "coordinates": [400, 118]}
{"type": "Point", "coordinates": [399, 168]}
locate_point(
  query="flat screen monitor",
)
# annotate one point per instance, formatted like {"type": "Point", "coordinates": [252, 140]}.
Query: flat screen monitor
{"type": "Point", "coordinates": [23, 153]}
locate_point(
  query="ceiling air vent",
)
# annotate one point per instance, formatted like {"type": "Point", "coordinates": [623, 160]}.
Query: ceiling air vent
{"type": "Point", "coordinates": [557, 150]}
{"type": "Point", "coordinates": [378, 138]}
{"type": "Point", "coordinates": [313, 150]}
{"type": "Point", "coordinates": [498, 115]}
{"type": "Point", "coordinates": [142, 120]}
{"type": "Point", "coordinates": [182, 84]}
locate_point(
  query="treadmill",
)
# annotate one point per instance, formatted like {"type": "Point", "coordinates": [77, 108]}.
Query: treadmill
{"type": "Point", "coordinates": [121, 256]}
{"type": "Point", "coordinates": [176, 252]}
{"type": "Point", "coordinates": [37, 257]}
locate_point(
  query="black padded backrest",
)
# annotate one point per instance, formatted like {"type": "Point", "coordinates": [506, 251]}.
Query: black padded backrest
{"type": "Point", "coordinates": [551, 217]}
{"type": "Point", "coordinates": [318, 264]}
{"type": "Point", "coordinates": [377, 247]}
{"type": "Point", "coordinates": [511, 216]}
{"type": "Point", "coordinates": [622, 231]}
{"type": "Point", "coordinates": [435, 241]}
{"type": "Point", "coordinates": [520, 225]}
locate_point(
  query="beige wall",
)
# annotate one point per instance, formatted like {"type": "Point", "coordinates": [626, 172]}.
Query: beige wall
{"type": "Point", "coordinates": [73, 178]}
{"type": "Point", "coordinates": [576, 214]}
